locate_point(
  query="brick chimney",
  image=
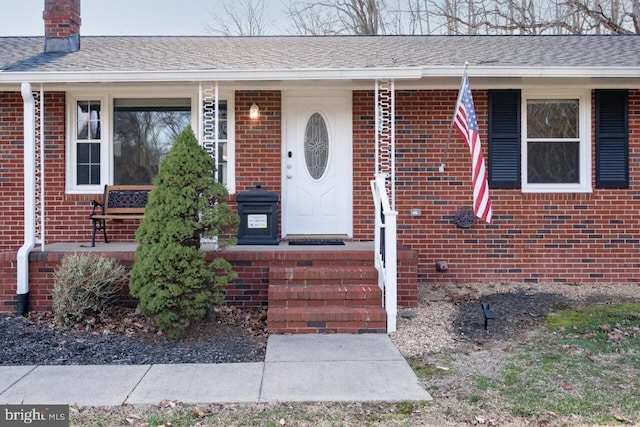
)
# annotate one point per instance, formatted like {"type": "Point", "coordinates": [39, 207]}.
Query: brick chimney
{"type": "Point", "coordinates": [61, 25]}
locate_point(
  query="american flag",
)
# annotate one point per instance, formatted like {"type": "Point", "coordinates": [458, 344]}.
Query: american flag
{"type": "Point", "coordinates": [467, 124]}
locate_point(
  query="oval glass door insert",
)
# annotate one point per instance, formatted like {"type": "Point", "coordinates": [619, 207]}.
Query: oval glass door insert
{"type": "Point", "coordinates": [316, 146]}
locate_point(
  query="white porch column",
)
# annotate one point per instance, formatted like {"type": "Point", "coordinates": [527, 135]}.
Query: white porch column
{"type": "Point", "coordinates": [386, 135]}
{"type": "Point", "coordinates": [208, 131]}
{"type": "Point", "coordinates": [384, 193]}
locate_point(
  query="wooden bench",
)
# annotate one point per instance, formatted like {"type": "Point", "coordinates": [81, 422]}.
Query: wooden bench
{"type": "Point", "coordinates": [119, 202]}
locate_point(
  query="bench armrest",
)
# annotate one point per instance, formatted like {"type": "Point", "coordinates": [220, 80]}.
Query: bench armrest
{"type": "Point", "coordinates": [95, 204]}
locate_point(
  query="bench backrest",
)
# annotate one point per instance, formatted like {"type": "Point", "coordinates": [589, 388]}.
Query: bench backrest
{"type": "Point", "coordinates": [126, 199]}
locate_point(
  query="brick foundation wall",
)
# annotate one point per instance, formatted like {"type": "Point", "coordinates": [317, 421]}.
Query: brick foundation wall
{"type": "Point", "coordinates": [249, 290]}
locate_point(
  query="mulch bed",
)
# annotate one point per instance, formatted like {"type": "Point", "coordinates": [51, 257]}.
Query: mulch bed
{"type": "Point", "coordinates": [124, 337]}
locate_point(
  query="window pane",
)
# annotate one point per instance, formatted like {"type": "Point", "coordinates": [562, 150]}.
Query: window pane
{"type": "Point", "coordinates": [95, 153]}
{"type": "Point", "coordinates": [95, 174]}
{"type": "Point", "coordinates": [83, 153]}
{"type": "Point", "coordinates": [88, 163]}
{"type": "Point", "coordinates": [222, 162]}
{"type": "Point", "coordinates": [553, 162]}
{"type": "Point", "coordinates": [222, 110]}
{"type": "Point", "coordinates": [222, 129]}
{"type": "Point", "coordinates": [82, 173]}
{"type": "Point", "coordinates": [553, 118]}
{"type": "Point", "coordinates": [316, 146]}
{"type": "Point", "coordinates": [94, 121]}
{"type": "Point", "coordinates": [144, 131]}
{"type": "Point", "coordinates": [88, 116]}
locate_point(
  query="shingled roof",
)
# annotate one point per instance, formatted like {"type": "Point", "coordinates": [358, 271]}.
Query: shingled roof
{"type": "Point", "coordinates": [287, 53]}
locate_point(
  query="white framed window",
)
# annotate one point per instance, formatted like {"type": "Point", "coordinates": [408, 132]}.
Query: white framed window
{"type": "Point", "coordinates": [120, 137]}
{"type": "Point", "coordinates": [87, 167]}
{"type": "Point", "coordinates": [556, 142]}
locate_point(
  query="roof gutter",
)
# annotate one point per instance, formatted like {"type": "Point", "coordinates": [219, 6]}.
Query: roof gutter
{"type": "Point", "coordinates": [29, 199]}
{"type": "Point", "coordinates": [218, 75]}
{"type": "Point", "coordinates": [295, 74]}
{"type": "Point", "coordinates": [521, 72]}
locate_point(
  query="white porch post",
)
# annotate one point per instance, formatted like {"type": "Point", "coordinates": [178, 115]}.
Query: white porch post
{"type": "Point", "coordinates": [385, 162]}
{"type": "Point", "coordinates": [208, 132]}
{"type": "Point", "coordinates": [384, 194]}
{"type": "Point", "coordinates": [391, 267]}
{"type": "Point", "coordinates": [208, 126]}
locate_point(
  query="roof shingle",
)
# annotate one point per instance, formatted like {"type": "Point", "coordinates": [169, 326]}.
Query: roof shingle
{"type": "Point", "coordinates": [156, 54]}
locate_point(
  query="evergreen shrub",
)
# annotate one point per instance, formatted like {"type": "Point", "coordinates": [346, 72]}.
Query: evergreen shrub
{"type": "Point", "coordinates": [170, 276]}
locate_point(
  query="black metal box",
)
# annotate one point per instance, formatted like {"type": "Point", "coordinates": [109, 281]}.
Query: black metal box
{"type": "Point", "coordinates": [258, 211]}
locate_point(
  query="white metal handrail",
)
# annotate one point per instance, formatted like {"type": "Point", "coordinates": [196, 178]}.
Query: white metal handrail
{"type": "Point", "coordinates": [386, 260]}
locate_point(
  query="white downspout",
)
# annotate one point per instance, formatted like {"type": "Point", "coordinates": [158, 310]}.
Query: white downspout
{"type": "Point", "coordinates": [29, 199]}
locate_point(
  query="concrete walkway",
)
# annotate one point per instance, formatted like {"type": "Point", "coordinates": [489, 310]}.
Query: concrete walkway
{"type": "Point", "coordinates": [296, 368]}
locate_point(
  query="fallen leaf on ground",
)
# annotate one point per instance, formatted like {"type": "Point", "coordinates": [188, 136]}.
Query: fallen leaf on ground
{"type": "Point", "coordinates": [622, 419]}
{"type": "Point", "coordinates": [200, 413]}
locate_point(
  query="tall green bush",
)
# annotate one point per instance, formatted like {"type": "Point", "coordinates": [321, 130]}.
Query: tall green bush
{"type": "Point", "coordinates": [170, 276]}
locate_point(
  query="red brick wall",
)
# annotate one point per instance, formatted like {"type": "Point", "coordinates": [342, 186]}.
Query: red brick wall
{"type": "Point", "coordinates": [61, 18]}
{"type": "Point", "coordinates": [258, 141]}
{"type": "Point", "coordinates": [66, 215]}
{"type": "Point", "coordinates": [363, 163]}
{"type": "Point", "coordinates": [11, 167]}
{"type": "Point", "coordinates": [257, 154]}
{"type": "Point", "coordinates": [534, 237]}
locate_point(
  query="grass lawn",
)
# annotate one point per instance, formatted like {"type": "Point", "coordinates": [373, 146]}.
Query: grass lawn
{"type": "Point", "coordinates": [586, 364]}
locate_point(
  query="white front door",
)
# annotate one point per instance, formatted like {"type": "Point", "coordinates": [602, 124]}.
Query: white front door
{"type": "Point", "coordinates": [317, 168]}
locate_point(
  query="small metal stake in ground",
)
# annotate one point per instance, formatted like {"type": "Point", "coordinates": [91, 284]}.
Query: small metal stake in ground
{"type": "Point", "coordinates": [488, 314]}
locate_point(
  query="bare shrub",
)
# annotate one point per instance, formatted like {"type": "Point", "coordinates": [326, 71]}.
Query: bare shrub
{"type": "Point", "coordinates": [85, 285]}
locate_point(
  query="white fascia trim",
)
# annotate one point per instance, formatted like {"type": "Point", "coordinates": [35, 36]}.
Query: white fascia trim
{"type": "Point", "coordinates": [219, 75]}
{"type": "Point", "coordinates": [398, 73]}
{"type": "Point", "coordinates": [519, 71]}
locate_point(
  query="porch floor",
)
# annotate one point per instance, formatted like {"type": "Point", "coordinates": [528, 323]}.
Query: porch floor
{"type": "Point", "coordinates": [284, 246]}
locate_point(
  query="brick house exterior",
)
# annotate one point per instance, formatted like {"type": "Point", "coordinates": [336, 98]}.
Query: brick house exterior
{"type": "Point", "coordinates": [590, 234]}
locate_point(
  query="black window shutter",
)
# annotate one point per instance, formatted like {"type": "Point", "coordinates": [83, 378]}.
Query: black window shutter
{"type": "Point", "coordinates": [504, 139]}
{"type": "Point", "coordinates": [612, 139]}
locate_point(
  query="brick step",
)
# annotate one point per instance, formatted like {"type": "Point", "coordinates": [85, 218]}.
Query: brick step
{"type": "Point", "coordinates": [342, 275]}
{"type": "Point", "coordinates": [325, 295]}
{"type": "Point", "coordinates": [335, 319]}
